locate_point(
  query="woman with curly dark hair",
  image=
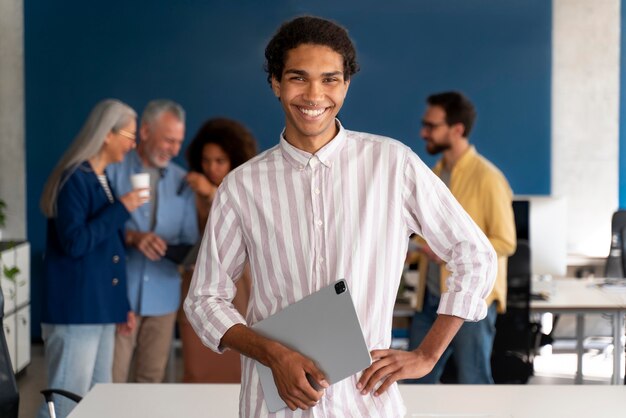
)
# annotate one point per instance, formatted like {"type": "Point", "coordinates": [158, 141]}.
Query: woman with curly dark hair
{"type": "Point", "coordinates": [220, 146]}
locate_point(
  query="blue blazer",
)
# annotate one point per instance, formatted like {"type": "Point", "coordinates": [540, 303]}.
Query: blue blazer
{"type": "Point", "coordinates": [85, 262]}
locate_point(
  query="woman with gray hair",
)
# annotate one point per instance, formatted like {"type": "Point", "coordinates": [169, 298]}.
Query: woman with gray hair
{"type": "Point", "coordinates": [84, 264]}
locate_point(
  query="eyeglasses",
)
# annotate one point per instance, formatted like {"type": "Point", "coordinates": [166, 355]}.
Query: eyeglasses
{"type": "Point", "coordinates": [429, 126]}
{"type": "Point", "coordinates": [127, 134]}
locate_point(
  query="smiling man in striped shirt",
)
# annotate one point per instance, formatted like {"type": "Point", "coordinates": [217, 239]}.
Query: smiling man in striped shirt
{"type": "Point", "coordinates": [329, 203]}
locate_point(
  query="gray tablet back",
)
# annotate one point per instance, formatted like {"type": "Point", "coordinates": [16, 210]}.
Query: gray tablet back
{"type": "Point", "coordinates": [322, 326]}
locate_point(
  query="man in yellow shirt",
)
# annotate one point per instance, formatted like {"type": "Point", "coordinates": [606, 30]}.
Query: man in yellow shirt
{"type": "Point", "coordinates": [485, 194]}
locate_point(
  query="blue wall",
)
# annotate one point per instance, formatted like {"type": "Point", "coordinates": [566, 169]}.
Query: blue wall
{"type": "Point", "coordinates": [208, 55]}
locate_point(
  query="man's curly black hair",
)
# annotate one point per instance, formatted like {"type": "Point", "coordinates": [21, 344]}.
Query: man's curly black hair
{"type": "Point", "coordinates": [309, 30]}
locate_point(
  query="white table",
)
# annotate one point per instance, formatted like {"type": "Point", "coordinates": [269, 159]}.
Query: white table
{"type": "Point", "coordinates": [495, 401]}
{"type": "Point", "coordinates": [581, 297]}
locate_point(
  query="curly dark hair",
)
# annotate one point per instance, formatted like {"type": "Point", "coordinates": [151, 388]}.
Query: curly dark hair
{"type": "Point", "coordinates": [309, 30]}
{"type": "Point", "coordinates": [233, 137]}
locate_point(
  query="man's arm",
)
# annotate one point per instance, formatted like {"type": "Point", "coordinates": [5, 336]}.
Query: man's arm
{"type": "Point", "coordinates": [433, 213]}
{"type": "Point", "coordinates": [389, 366]}
{"type": "Point", "coordinates": [289, 368]}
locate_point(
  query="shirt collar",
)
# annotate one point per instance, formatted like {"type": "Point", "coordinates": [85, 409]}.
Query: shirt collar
{"type": "Point", "coordinates": [325, 155]}
{"type": "Point", "coordinates": [463, 162]}
{"type": "Point", "coordinates": [466, 158]}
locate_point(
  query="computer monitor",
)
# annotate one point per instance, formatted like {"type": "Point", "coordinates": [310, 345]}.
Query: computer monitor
{"type": "Point", "coordinates": [542, 221]}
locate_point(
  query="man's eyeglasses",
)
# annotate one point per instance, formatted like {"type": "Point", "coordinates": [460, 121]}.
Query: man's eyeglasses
{"type": "Point", "coordinates": [127, 134]}
{"type": "Point", "coordinates": [429, 126]}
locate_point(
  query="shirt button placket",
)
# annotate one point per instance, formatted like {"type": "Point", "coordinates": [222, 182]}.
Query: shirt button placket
{"type": "Point", "coordinates": [317, 221]}
{"type": "Point", "coordinates": [316, 197]}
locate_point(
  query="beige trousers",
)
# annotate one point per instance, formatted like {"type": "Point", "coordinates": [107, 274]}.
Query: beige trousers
{"type": "Point", "coordinates": [150, 342]}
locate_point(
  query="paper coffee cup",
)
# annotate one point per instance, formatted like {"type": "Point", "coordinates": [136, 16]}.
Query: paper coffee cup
{"type": "Point", "coordinates": [141, 181]}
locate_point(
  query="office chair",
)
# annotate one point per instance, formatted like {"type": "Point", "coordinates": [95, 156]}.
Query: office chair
{"type": "Point", "coordinates": [516, 336]}
{"type": "Point", "coordinates": [9, 395]}
{"type": "Point", "coordinates": [47, 393]}
{"type": "Point", "coordinates": [616, 262]}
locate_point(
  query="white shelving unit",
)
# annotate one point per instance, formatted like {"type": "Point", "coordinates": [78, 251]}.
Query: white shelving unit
{"type": "Point", "coordinates": [16, 322]}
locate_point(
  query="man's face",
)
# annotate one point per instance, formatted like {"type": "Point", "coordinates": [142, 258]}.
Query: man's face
{"type": "Point", "coordinates": [312, 90]}
{"type": "Point", "coordinates": [162, 139]}
{"type": "Point", "coordinates": [435, 131]}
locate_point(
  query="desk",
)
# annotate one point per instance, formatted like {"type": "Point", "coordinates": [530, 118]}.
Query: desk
{"type": "Point", "coordinates": [581, 297]}
{"type": "Point", "coordinates": [494, 401]}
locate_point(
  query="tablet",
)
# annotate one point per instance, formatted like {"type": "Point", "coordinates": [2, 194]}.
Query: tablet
{"type": "Point", "coordinates": [324, 327]}
{"type": "Point", "coordinates": [178, 252]}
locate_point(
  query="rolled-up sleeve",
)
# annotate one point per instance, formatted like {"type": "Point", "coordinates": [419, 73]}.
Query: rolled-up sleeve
{"type": "Point", "coordinates": [221, 259]}
{"type": "Point", "coordinates": [432, 211]}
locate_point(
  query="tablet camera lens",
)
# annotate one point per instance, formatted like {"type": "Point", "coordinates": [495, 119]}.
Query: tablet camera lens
{"type": "Point", "coordinates": [340, 288]}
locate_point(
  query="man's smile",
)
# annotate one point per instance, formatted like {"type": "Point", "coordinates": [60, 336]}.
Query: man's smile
{"type": "Point", "coordinates": [312, 112]}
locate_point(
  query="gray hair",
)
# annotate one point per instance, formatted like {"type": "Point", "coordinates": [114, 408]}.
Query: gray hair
{"type": "Point", "coordinates": [155, 108]}
{"type": "Point", "coordinates": [107, 116]}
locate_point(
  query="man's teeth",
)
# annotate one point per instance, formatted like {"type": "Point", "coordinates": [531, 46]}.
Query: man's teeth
{"type": "Point", "coordinates": [312, 112]}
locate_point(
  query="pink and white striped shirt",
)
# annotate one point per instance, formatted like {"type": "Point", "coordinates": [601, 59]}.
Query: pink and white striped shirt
{"type": "Point", "coordinates": [303, 221]}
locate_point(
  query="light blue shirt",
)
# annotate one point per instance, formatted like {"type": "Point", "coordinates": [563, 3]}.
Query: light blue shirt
{"type": "Point", "coordinates": [154, 286]}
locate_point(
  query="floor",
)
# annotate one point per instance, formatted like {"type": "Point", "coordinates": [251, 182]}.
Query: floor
{"type": "Point", "coordinates": [30, 382]}
{"type": "Point", "coordinates": [550, 369]}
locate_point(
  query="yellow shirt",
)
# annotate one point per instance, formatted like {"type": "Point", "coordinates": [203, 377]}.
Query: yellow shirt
{"type": "Point", "coordinates": [486, 196]}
